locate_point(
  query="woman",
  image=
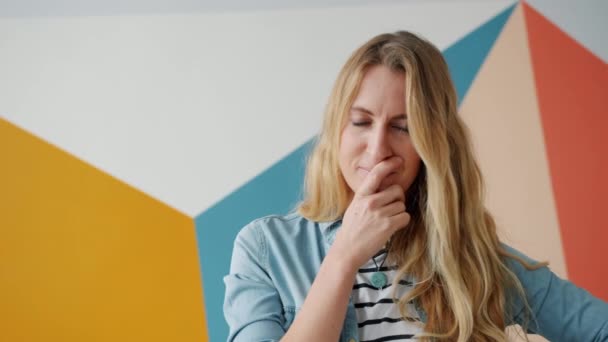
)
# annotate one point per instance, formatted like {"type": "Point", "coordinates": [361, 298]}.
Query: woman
{"type": "Point", "coordinates": [392, 240]}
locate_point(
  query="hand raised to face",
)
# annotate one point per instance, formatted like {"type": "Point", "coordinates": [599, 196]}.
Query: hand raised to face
{"type": "Point", "coordinates": [373, 215]}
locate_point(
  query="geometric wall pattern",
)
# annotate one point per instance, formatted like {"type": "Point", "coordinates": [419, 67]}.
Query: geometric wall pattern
{"type": "Point", "coordinates": [572, 85]}
{"type": "Point", "coordinates": [86, 256]}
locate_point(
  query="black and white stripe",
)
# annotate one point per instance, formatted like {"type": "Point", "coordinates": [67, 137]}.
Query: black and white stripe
{"type": "Point", "coordinates": [378, 315]}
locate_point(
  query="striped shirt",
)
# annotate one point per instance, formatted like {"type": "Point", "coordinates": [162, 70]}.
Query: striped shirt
{"type": "Point", "coordinates": [378, 315]}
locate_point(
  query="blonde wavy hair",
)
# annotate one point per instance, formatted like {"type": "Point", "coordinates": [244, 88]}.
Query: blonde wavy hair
{"type": "Point", "coordinates": [450, 246]}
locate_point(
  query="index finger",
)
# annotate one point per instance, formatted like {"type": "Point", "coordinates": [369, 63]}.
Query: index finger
{"type": "Point", "coordinates": [377, 174]}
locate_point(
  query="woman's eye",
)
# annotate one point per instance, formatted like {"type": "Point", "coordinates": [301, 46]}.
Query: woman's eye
{"type": "Point", "coordinates": [360, 123]}
{"type": "Point", "coordinates": [402, 129]}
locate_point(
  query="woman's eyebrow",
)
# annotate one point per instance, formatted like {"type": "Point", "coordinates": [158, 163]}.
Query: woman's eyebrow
{"type": "Point", "coordinates": [361, 109]}
{"type": "Point", "coordinates": [369, 112]}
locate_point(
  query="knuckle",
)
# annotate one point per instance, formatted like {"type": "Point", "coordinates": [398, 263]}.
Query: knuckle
{"type": "Point", "coordinates": [396, 191]}
{"type": "Point", "coordinates": [367, 203]}
{"type": "Point", "coordinates": [400, 221]}
{"type": "Point", "coordinates": [374, 177]}
{"type": "Point", "coordinates": [372, 202]}
{"type": "Point", "coordinates": [399, 190]}
{"type": "Point", "coordinates": [395, 188]}
{"type": "Point", "coordinates": [406, 218]}
{"type": "Point", "coordinates": [385, 224]}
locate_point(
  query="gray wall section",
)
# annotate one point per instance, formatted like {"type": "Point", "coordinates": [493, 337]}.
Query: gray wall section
{"type": "Point", "coordinates": [38, 8]}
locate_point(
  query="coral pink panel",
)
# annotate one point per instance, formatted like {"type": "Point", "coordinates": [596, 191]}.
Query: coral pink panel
{"type": "Point", "coordinates": [572, 90]}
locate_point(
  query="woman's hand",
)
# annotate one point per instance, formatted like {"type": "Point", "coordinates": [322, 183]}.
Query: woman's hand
{"type": "Point", "coordinates": [372, 217]}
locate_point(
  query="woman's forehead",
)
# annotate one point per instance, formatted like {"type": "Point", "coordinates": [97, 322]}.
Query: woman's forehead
{"type": "Point", "coordinates": [382, 92]}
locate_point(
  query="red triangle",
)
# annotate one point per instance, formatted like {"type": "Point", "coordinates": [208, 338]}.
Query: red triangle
{"type": "Point", "coordinates": [572, 90]}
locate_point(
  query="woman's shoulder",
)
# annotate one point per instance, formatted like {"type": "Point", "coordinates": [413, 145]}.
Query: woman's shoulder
{"type": "Point", "coordinates": [514, 255]}
{"type": "Point", "coordinates": [281, 243]}
{"type": "Point", "coordinates": [287, 229]}
{"type": "Point", "coordinates": [273, 220]}
{"type": "Point", "coordinates": [554, 302]}
{"type": "Point", "coordinates": [520, 263]}
{"type": "Point", "coordinates": [278, 223]}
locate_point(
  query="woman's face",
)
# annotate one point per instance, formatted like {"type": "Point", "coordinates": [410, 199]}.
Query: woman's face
{"type": "Point", "coordinates": [376, 129]}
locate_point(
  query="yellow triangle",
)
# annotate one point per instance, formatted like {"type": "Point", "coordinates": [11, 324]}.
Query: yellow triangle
{"type": "Point", "coordinates": [85, 257]}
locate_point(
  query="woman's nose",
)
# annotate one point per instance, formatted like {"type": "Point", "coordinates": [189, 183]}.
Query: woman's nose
{"type": "Point", "coordinates": [378, 145]}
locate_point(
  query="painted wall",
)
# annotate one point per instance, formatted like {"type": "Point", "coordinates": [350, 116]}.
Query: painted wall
{"type": "Point", "coordinates": [135, 145]}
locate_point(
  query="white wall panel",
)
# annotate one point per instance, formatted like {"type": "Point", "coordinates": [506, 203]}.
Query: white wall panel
{"type": "Point", "coordinates": [189, 107]}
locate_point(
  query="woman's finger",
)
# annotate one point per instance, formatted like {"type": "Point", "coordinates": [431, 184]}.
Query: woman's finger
{"type": "Point", "coordinates": [373, 179]}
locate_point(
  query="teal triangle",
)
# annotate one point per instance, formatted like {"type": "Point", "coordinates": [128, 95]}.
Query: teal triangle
{"type": "Point", "coordinates": [275, 191]}
{"type": "Point", "coordinates": [278, 189]}
{"type": "Point", "coordinates": [466, 56]}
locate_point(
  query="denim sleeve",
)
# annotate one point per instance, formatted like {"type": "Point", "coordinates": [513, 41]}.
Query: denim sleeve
{"type": "Point", "coordinates": [561, 311]}
{"type": "Point", "coordinates": [252, 306]}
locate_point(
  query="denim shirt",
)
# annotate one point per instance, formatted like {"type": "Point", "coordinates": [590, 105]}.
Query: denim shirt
{"type": "Point", "coordinates": [276, 258]}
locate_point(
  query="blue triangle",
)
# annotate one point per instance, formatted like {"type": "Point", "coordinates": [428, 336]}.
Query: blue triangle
{"type": "Point", "coordinates": [275, 191]}
{"type": "Point", "coordinates": [466, 56]}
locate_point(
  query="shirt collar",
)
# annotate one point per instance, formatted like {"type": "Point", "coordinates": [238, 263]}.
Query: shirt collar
{"type": "Point", "coordinates": [329, 229]}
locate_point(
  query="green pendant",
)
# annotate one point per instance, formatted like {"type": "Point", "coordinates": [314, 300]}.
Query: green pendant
{"type": "Point", "coordinates": [379, 280]}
